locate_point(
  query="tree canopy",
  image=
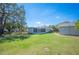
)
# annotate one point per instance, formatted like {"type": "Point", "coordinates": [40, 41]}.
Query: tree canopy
{"type": "Point", "coordinates": [12, 16]}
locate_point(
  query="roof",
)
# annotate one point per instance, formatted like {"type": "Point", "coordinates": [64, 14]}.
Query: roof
{"type": "Point", "coordinates": [38, 27]}
{"type": "Point", "coordinates": [66, 23]}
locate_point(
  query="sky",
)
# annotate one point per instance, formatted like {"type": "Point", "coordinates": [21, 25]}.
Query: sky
{"type": "Point", "coordinates": [50, 13]}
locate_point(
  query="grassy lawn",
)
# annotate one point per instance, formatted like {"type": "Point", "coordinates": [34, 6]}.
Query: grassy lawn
{"type": "Point", "coordinates": [42, 44]}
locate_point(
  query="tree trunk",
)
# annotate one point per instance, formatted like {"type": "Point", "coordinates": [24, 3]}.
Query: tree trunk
{"type": "Point", "coordinates": [1, 26]}
{"type": "Point", "coordinates": [2, 14]}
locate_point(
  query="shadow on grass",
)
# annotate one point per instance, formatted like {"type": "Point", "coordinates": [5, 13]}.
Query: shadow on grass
{"type": "Point", "coordinates": [70, 35]}
{"type": "Point", "coordinates": [40, 33]}
{"type": "Point", "coordinates": [10, 38]}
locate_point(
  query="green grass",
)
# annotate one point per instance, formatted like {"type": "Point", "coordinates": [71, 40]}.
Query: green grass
{"type": "Point", "coordinates": [42, 44]}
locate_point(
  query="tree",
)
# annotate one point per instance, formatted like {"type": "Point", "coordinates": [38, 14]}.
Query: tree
{"type": "Point", "coordinates": [22, 21]}
{"type": "Point", "coordinates": [77, 24]}
{"type": "Point", "coordinates": [11, 16]}
{"type": "Point", "coordinates": [53, 27]}
{"type": "Point", "coordinates": [2, 16]}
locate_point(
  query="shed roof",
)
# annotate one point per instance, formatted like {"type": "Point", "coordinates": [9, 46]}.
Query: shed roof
{"type": "Point", "coordinates": [66, 23]}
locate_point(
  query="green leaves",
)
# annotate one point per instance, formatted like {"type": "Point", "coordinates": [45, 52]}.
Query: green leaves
{"type": "Point", "coordinates": [77, 24]}
{"type": "Point", "coordinates": [13, 16]}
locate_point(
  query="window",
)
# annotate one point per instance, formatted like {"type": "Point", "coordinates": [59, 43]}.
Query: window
{"type": "Point", "coordinates": [43, 30]}
{"type": "Point", "coordinates": [35, 29]}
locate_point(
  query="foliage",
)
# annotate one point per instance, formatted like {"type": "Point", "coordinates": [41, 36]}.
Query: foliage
{"type": "Point", "coordinates": [13, 37]}
{"type": "Point", "coordinates": [53, 28]}
{"type": "Point", "coordinates": [77, 24]}
{"type": "Point", "coordinates": [12, 16]}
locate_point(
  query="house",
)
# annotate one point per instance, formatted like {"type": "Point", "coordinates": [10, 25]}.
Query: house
{"type": "Point", "coordinates": [68, 28]}
{"type": "Point", "coordinates": [38, 30]}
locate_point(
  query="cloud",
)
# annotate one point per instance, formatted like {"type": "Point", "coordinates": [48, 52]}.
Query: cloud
{"type": "Point", "coordinates": [57, 17]}
{"type": "Point", "coordinates": [38, 22]}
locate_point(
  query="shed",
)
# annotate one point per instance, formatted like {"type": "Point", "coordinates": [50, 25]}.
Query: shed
{"type": "Point", "coordinates": [68, 28]}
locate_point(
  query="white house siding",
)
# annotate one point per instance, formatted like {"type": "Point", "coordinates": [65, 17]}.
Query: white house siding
{"type": "Point", "coordinates": [31, 30]}
{"type": "Point", "coordinates": [69, 30]}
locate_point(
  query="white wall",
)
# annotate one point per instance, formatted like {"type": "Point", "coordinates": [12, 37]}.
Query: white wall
{"type": "Point", "coordinates": [68, 31]}
{"type": "Point", "coordinates": [30, 30]}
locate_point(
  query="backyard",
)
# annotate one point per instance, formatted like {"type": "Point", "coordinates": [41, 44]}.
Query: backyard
{"type": "Point", "coordinates": [44, 44]}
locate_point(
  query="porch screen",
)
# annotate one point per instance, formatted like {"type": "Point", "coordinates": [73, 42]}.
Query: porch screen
{"type": "Point", "coordinates": [42, 30]}
{"type": "Point", "coordinates": [35, 29]}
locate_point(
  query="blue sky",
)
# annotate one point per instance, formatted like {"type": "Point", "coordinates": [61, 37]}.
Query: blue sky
{"type": "Point", "coordinates": [50, 13]}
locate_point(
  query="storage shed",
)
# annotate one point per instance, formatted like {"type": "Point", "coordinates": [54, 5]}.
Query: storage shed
{"type": "Point", "coordinates": [68, 28]}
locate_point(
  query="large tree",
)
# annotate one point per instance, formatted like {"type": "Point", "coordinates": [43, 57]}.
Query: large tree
{"type": "Point", "coordinates": [11, 16]}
